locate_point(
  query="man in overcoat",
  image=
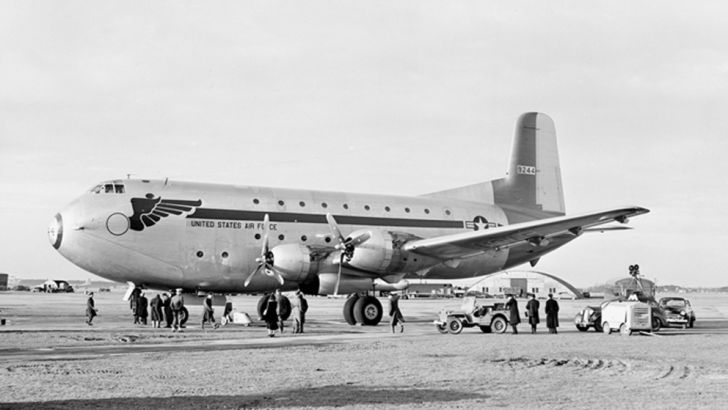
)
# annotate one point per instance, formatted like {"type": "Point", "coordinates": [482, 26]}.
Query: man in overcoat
{"type": "Point", "coordinates": [552, 314]}
{"type": "Point", "coordinates": [514, 317]}
{"type": "Point", "coordinates": [532, 312]}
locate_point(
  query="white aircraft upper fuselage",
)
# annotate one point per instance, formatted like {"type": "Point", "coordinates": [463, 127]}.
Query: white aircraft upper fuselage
{"type": "Point", "coordinates": [210, 237]}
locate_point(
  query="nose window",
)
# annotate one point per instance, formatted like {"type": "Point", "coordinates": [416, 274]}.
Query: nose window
{"type": "Point", "coordinates": [111, 188]}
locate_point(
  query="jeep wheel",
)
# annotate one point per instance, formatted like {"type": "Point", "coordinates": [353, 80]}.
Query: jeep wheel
{"type": "Point", "coordinates": [442, 328]}
{"type": "Point", "coordinates": [624, 330]}
{"type": "Point", "coordinates": [499, 324]}
{"type": "Point", "coordinates": [606, 329]}
{"type": "Point", "coordinates": [454, 326]}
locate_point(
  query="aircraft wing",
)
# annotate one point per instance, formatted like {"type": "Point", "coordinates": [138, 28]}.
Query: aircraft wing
{"type": "Point", "coordinates": [463, 245]}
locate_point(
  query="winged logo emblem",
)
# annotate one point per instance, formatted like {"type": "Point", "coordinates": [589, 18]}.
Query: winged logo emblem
{"type": "Point", "coordinates": [150, 210]}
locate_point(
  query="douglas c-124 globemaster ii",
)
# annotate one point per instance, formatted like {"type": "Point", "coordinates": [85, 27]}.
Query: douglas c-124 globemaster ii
{"type": "Point", "coordinates": [210, 238]}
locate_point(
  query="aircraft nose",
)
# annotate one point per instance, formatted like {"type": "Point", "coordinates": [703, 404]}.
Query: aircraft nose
{"type": "Point", "coordinates": [55, 231]}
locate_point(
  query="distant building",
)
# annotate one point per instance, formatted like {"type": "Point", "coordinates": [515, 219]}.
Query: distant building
{"type": "Point", "coordinates": [53, 286]}
{"type": "Point", "coordinates": [523, 283]}
{"type": "Point", "coordinates": [4, 281]}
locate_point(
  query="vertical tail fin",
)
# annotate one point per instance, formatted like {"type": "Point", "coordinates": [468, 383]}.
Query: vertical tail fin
{"type": "Point", "coordinates": [534, 174]}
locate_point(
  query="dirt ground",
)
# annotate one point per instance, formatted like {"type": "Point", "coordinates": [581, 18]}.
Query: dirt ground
{"type": "Point", "coordinates": [50, 359]}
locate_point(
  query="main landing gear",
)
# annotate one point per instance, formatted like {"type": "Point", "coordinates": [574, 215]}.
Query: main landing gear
{"type": "Point", "coordinates": [362, 309]}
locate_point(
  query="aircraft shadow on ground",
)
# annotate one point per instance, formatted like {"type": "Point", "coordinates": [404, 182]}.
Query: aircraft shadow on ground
{"type": "Point", "coordinates": [334, 395]}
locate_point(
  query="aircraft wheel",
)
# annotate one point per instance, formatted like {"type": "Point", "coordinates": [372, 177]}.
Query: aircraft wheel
{"type": "Point", "coordinates": [454, 326]}
{"type": "Point", "coordinates": [284, 308]}
{"type": "Point", "coordinates": [582, 328]}
{"type": "Point", "coordinates": [442, 328]}
{"type": "Point", "coordinates": [656, 324]}
{"type": "Point", "coordinates": [349, 309]}
{"type": "Point", "coordinates": [262, 304]}
{"type": "Point", "coordinates": [368, 311]}
{"type": "Point", "coordinates": [499, 324]}
{"type": "Point", "coordinates": [486, 329]}
{"type": "Point", "coordinates": [606, 329]}
{"type": "Point", "coordinates": [185, 316]}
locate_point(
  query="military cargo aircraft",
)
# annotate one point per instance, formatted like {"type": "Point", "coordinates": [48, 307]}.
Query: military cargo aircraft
{"type": "Point", "coordinates": [209, 238]}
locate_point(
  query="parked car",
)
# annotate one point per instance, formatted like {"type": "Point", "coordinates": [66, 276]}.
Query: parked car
{"type": "Point", "coordinates": [678, 312]}
{"type": "Point", "coordinates": [490, 317]}
{"type": "Point", "coordinates": [591, 316]}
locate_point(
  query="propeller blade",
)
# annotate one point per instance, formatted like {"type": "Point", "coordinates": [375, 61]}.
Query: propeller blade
{"type": "Point", "coordinates": [278, 276]}
{"type": "Point", "coordinates": [250, 277]}
{"type": "Point", "coordinates": [335, 228]}
{"type": "Point", "coordinates": [338, 275]}
{"type": "Point", "coordinates": [359, 239]}
{"type": "Point", "coordinates": [266, 224]}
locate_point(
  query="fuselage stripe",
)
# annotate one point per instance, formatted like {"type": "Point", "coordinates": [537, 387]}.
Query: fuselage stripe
{"type": "Point", "coordinates": [291, 217]}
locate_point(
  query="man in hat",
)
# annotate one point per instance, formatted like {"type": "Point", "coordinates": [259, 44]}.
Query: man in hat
{"type": "Point", "coordinates": [90, 309]}
{"type": "Point", "coordinates": [552, 314]}
{"type": "Point", "coordinates": [532, 312]}
{"type": "Point", "coordinates": [208, 312]}
{"type": "Point", "coordinates": [514, 316]}
{"type": "Point", "coordinates": [299, 306]}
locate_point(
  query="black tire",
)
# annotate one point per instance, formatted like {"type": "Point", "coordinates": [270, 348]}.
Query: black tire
{"type": "Point", "coordinates": [261, 305]}
{"type": "Point", "coordinates": [582, 328]}
{"type": "Point", "coordinates": [624, 330]}
{"type": "Point", "coordinates": [368, 311]}
{"type": "Point", "coordinates": [284, 308]}
{"type": "Point", "coordinates": [598, 326]}
{"type": "Point", "coordinates": [442, 328]}
{"type": "Point", "coordinates": [486, 329]}
{"type": "Point", "coordinates": [656, 324]}
{"type": "Point", "coordinates": [454, 325]}
{"type": "Point", "coordinates": [185, 316]}
{"type": "Point", "coordinates": [349, 309]}
{"type": "Point", "coordinates": [499, 324]}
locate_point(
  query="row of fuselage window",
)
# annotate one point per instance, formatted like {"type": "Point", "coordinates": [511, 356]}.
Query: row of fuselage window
{"type": "Point", "coordinates": [119, 189]}
{"type": "Point", "coordinates": [325, 205]}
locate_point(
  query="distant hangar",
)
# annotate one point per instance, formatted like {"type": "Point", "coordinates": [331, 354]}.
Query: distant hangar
{"type": "Point", "coordinates": [522, 283]}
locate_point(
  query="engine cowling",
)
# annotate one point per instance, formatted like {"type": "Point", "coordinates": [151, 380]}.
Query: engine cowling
{"type": "Point", "coordinates": [382, 253]}
{"type": "Point", "coordinates": [293, 261]}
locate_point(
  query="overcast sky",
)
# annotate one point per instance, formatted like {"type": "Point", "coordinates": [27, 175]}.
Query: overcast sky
{"type": "Point", "coordinates": [386, 97]}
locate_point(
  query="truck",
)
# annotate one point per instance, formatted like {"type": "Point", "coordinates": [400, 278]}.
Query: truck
{"type": "Point", "coordinates": [626, 317]}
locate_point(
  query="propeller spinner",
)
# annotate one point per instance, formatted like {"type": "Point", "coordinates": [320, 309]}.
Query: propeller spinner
{"type": "Point", "coordinates": [266, 260]}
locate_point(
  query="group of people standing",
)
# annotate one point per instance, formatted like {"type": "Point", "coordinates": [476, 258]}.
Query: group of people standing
{"type": "Point", "coordinates": [276, 308]}
{"type": "Point", "coordinates": [164, 309]}
{"type": "Point", "coordinates": [532, 312]}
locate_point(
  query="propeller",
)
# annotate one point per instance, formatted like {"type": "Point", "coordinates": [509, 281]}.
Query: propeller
{"type": "Point", "coordinates": [345, 246]}
{"type": "Point", "coordinates": [266, 258]}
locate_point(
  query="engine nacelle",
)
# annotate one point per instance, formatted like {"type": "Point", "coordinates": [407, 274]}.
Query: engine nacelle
{"type": "Point", "coordinates": [326, 283]}
{"type": "Point", "coordinates": [382, 253]}
{"type": "Point", "coordinates": [375, 254]}
{"type": "Point", "coordinates": [293, 261]}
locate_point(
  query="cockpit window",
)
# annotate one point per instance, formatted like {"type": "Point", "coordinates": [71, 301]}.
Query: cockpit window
{"type": "Point", "coordinates": [108, 188]}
